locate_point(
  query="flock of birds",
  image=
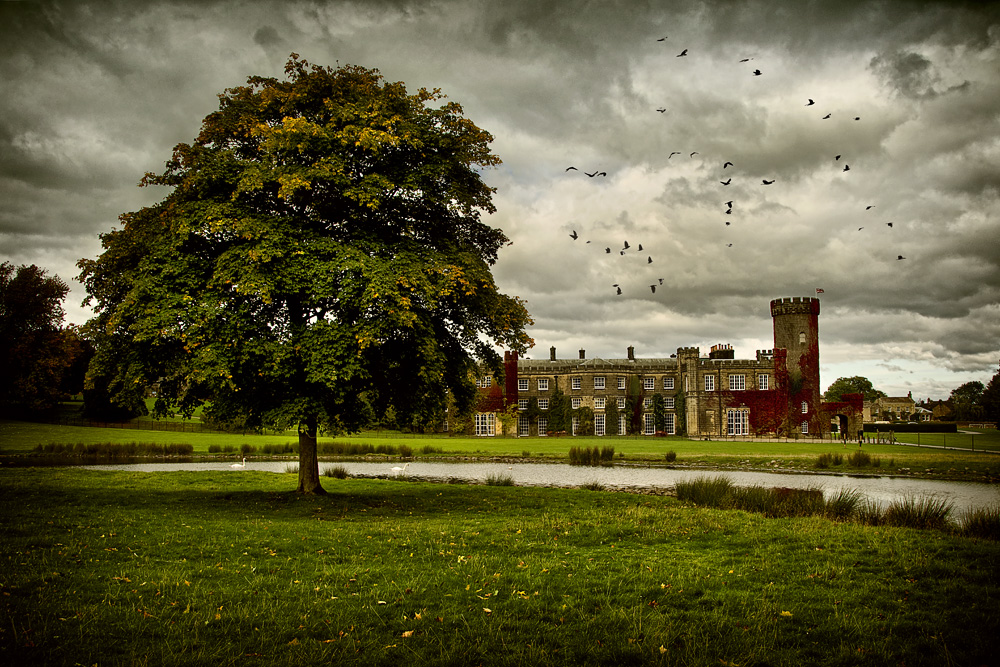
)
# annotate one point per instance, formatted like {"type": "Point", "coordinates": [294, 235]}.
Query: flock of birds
{"type": "Point", "coordinates": [575, 236]}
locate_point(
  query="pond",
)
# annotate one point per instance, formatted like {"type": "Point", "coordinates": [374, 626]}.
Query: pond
{"type": "Point", "coordinates": [962, 495]}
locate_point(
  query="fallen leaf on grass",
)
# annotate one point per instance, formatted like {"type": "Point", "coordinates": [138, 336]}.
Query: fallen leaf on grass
{"type": "Point", "coordinates": [408, 633]}
{"type": "Point", "coordinates": [786, 613]}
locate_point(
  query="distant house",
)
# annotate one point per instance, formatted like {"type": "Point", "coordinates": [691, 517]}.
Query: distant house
{"type": "Point", "coordinates": [893, 408]}
{"type": "Point", "coordinates": [941, 410]}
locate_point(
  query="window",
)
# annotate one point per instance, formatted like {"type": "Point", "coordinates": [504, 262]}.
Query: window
{"type": "Point", "coordinates": [668, 403]}
{"type": "Point", "coordinates": [621, 402]}
{"type": "Point", "coordinates": [737, 422]}
{"type": "Point", "coordinates": [577, 383]}
{"type": "Point", "coordinates": [737, 382]}
{"type": "Point", "coordinates": [576, 425]}
{"type": "Point", "coordinates": [763, 380]}
{"type": "Point", "coordinates": [805, 407]}
{"type": "Point", "coordinates": [523, 426]}
{"type": "Point", "coordinates": [668, 423]}
{"type": "Point", "coordinates": [668, 383]}
{"type": "Point", "coordinates": [543, 404]}
{"type": "Point", "coordinates": [598, 383]}
{"type": "Point", "coordinates": [522, 384]}
{"type": "Point", "coordinates": [522, 404]}
{"type": "Point", "coordinates": [647, 402]}
{"type": "Point", "coordinates": [621, 383]}
{"type": "Point", "coordinates": [576, 402]}
{"type": "Point", "coordinates": [543, 425]}
{"type": "Point", "coordinates": [805, 427]}
{"type": "Point", "coordinates": [709, 383]}
{"type": "Point", "coordinates": [648, 424]}
{"type": "Point", "coordinates": [649, 384]}
{"type": "Point", "coordinates": [802, 337]}
{"type": "Point", "coordinates": [598, 424]}
{"type": "Point", "coordinates": [444, 427]}
{"type": "Point", "coordinates": [599, 402]}
{"type": "Point", "coordinates": [485, 382]}
{"type": "Point", "coordinates": [485, 424]}
{"type": "Point", "coordinates": [543, 384]}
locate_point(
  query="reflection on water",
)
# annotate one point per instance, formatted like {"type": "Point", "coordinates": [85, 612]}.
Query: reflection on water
{"type": "Point", "coordinates": [963, 495]}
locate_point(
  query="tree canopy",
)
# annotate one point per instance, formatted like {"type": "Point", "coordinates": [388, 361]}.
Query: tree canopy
{"type": "Point", "coordinates": [37, 354]}
{"type": "Point", "coordinates": [320, 258]}
{"type": "Point", "coordinates": [852, 385]}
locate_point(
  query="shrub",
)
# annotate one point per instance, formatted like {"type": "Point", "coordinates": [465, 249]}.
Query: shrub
{"type": "Point", "coordinates": [214, 449]}
{"type": "Point", "coordinates": [247, 448]}
{"type": "Point", "coordinates": [428, 449]}
{"type": "Point", "coordinates": [983, 523]}
{"type": "Point", "coordinates": [859, 459]}
{"type": "Point", "coordinates": [291, 467]}
{"type": "Point", "coordinates": [499, 480]}
{"type": "Point", "coordinates": [592, 486]}
{"type": "Point", "coordinates": [914, 512]}
{"type": "Point", "coordinates": [709, 491]}
{"type": "Point", "coordinates": [337, 471]}
{"type": "Point", "coordinates": [671, 456]}
{"type": "Point", "coordinates": [844, 504]}
{"type": "Point", "coordinates": [287, 448]}
{"type": "Point", "coordinates": [591, 456]}
{"type": "Point", "coordinates": [405, 451]}
{"type": "Point", "coordinates": [526, 454]}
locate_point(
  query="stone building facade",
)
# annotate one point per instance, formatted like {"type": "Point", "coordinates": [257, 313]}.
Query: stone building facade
{"type": "Point", "coordinates": [777, 392]}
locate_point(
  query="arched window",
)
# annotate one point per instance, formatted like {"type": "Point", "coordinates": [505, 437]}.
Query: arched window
{"type": "Point", "coordinates": [802, 337]}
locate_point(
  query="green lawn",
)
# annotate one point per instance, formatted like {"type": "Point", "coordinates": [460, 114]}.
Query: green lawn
{"type": "Point", "coordinates": [230, 568]}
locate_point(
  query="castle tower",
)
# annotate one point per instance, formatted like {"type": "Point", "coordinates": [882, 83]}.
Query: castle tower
{"type": "Point", "coordinates": [796, 330]}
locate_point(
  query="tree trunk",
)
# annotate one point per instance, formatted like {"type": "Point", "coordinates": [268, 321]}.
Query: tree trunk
{"type": "Point", "coordinates": [308, 459]}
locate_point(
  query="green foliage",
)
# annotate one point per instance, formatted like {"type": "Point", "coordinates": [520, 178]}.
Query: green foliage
{"type": "Point", "coordinates": [968, 400]}
{"type": "Point", "coordinates": [337, 472]}
{"type": "Point", "coordinates": [559, 410]}
{"type": "Point", "coordinates": [852, 385]}
{"type": "Point", "coordinates": [991, 399]}
{"type": "Point", "coordinates": [633, 405]}
{"type": "Point", "coordinates": [591, 456]}
{"type": "Point", "coordinates": [611, 417]}
{"type": "Point", "coordinates": [671, 456]}
{"type": "Point", "coordinates": [496, 479]}
{"type": "Point", "coordinates": [585, 421]}
{"type": "Point", "coordinates": [38, 357]}
{"type": "Point", "coordinates": [320, 258]}
{"type": "Point", "coordinates": [658, 412]}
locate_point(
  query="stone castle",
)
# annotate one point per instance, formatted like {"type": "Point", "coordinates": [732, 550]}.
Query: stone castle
{"type": "Point", "coordinates": [776, 393]}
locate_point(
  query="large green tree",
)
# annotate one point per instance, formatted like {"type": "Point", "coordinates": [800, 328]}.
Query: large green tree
{"type": "Point", "coordinates": [37, 354]}
{"type": "Point", "coordinates": [967, 400]}
{"type": "Point", "coordinates": [852, 385]}
{"type": "Point", "coordinates": [321, 257]}
{"type": "Point", "coordinates": [991, 399]}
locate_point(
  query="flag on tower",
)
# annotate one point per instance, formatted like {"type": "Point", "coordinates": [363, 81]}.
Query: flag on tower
{"type": "Point", "coordinates": [819, 291]}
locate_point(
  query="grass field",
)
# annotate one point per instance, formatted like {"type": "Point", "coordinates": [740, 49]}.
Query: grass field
{"type": "Point", "coordinates": [207, 569]}
{"type": "Point", "coordinates": [983, 465]}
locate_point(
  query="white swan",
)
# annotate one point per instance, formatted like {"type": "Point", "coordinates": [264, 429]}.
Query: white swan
{"type": "Point", "coordinates": [239, 465]}
{"type": "Point", "coordinates": [396, 470]}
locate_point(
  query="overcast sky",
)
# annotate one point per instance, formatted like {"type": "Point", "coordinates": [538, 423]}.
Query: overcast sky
{"type": "Point", "coordinates": [907, 93]}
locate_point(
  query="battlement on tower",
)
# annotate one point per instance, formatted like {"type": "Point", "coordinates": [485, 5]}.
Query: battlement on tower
{"type": "Point", "coordinates": [795, 305]}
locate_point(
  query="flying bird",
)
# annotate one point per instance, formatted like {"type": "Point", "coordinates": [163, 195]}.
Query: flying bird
{"type": "Point", "coordinates": [673, 154]}
{"type": "Point", "coordinates": [574, 235]}
{"type": "Point", "coordinates": [597, 173]}
{"type": "Point", "coordinates": [746, 60]}
{"type": "Point", "coordinates": [810, 102]}
{"type": "Point", "coordinates": [768, 182]}
{"type": "Point", "coordinates": [836, 157]}
{"type": "Point", "coordinates": [661, 281]}
{"type": "Point", "coordinates": [649, 260]}
{"type": "Point", "coordinates": [869, 207]}
{"type": "Point", "coordinates": [682, 53]}
{"type": "Point", "coordinates": [889, 224]}
{"type": "Point", "coordinates": [573, 168]}
{"type": "Point", "coordinates": [860, 228]}
{"type": "Point", "coordinates": [847, 167]}
{"type": "Point", "coordinates": [857, 118]}
{"type": "Point", "coordinates": [607, 250]}
{"type": "Point", "coordinates": [756, 72]}
{"type": "Point", "coordinates": [640, 245]}
{"type": "Point", "coordinates": [900, 257]}
{"type": "Point", "coordinates": [727, 163]}
{"type": "Point", "coordinates": [661, 39]}
{"type": "Point", "coordinates": [619, 291]}
{"type": "Point", "coordinates": [729, 245]}
{"type": "Point", "coordinates": [827, 116]}
{"type": "Point", "coordinates": [652, 288]}
{"type": "Point", "coordinates": [727, 181]}
{"type": "Point", "coordinates": [729, 203]}
{"type": "Point", "coordinates": [693, 153]}
{"type": "Point", "coordinates": [727, 223]}
{"type": "Point", "coordinates": [626, 245]}
{"type": "Point", "coordinates": [729, 211]}
{"type": "Point", "coordinates": [662, 110]}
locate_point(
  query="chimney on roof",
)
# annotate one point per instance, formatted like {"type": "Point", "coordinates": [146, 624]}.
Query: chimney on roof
{"type": "Point", "coordinates": [631, 353]}
{"type": "Point", "coordinates": [583, 354]}
{"type": "Point", "coordinates": [552, 353]}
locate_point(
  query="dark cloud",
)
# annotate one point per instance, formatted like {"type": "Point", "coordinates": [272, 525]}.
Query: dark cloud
{"type": "Point", "coordinates": [95, 94]}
